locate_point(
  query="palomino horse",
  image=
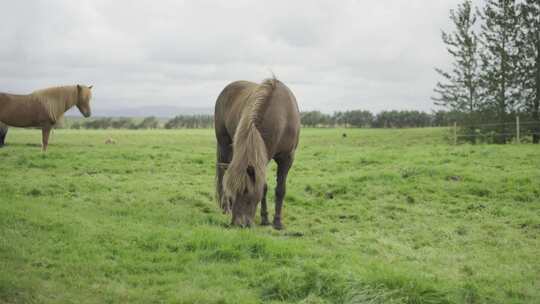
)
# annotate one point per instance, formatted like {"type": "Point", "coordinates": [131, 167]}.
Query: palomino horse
{"type": "Point", "coordinates": [254, 124]}
{"type": "Point", "coordinates": [42, 108]}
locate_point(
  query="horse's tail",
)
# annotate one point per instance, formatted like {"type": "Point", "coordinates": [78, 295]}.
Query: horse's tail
{"type": "Point", "coordinates": [250, 155]}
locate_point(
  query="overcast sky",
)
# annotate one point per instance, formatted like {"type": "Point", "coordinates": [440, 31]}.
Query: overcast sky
{"type": "Point", "coordinates": [334, 55]}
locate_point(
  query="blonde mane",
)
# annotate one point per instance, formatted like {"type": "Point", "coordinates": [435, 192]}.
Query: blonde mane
{"type": "Point", "coordinates": [248, 145]}
{"type": "Point", "coordinates": [56, 100]}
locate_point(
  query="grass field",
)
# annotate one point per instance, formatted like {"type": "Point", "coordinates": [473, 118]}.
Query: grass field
{"type": "Point", "coordinates": [381, 216]}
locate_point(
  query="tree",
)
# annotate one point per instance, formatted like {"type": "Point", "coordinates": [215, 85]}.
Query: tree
{"type": "Point", "coordinates": [122, 123]}
{"type": "Point", "coordinates": [460, 90]}
{"type": "Point", "coordinates": [529, 69]}
{"type": "Point", "coordinates": [447, 118]}
{"type": "Point", "coordinates": [190, 121]}
{"type": "Point", "coordinates": [402, 119]}
{"type": "Point", "coordinates": [150, 122]}
{"type": "Point", "coordinates": [500, 60]}
{"type": "Point", "coordinates": [355, 118]}
{"type": "Point", "coordinates": [315, 118]}
{"type": "Point", "coordinates": [359, 118]}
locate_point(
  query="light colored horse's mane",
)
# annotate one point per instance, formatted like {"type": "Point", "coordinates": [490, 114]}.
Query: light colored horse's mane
{"type": "Point", "coordinates": [248, 145]}
{"type": "Point", "coordinates": [56, 100]}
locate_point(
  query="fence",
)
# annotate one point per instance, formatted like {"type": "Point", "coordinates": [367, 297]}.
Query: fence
{"type": "Point", "coordinates": [515, 132]}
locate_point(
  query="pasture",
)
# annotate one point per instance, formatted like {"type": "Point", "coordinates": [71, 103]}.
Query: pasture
{"type": "Point", "coordinates": [380, 216]}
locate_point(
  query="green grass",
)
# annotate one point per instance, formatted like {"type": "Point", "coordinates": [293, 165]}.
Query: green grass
{"type": "Point", "coordinates": [381, 216]}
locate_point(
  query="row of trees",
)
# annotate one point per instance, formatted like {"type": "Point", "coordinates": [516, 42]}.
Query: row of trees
{"type": "Point", "coordinates": [151, 122]}
{"type": "Point", "coordinates": [495, 73]}
{"type": "Point", "coordinates": [116, 123]}
{"type": "Point", "coordinates": [385, 119]}
{"type": "Point", "coordinates": [357, 118]}
{"type": "Point", "coordinates": [190, 122]}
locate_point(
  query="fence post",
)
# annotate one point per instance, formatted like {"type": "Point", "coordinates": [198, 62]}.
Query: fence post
{"type": "Point", "coordinates": [517, 129]}
{"type": "Point", "coordinates": [455, 133]}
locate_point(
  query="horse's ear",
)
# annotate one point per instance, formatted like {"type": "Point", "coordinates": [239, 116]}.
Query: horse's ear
{"type": "Point", "coordinates": [91, 86]}
{"type": "Point", "coordinates": [78, 87]}
{"type": "Point", "coordinates": [251, 173]}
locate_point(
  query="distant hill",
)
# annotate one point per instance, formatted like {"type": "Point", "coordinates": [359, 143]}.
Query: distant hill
{"type": "Point", "coordinates": [158, 111]}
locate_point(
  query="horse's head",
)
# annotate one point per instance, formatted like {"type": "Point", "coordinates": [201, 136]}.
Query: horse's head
{"type": "Point", "coordinates": [242, 193]}
{"type": "Point", "coordinates": [83, 103]}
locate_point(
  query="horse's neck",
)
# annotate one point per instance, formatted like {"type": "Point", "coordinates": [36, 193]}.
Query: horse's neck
{"type": "Point", "coordinates": [59, 103]}
{"type": "Point", "coordinates": [70, 102]}
{"type": "Point", "coordinates": [64, 105]}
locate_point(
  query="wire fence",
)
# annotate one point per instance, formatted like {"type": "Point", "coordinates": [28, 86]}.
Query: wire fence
{"type": "Point", "coordinates": [499, 132]}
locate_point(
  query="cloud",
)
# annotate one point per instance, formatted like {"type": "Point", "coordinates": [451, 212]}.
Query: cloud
{"type": "Point", "coordinates": [334, 55]}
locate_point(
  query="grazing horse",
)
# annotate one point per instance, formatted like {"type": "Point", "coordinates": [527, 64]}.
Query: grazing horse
{"type": "Point", "coordinates": [254, 124]}
{"type": "Point", "coordinates": [42, 108]}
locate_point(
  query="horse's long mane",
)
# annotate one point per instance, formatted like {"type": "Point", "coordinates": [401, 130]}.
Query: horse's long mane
{"type": "Point", "coordinates": [247, 169]}
{"type": "Point", "coordinates": [56, 100]}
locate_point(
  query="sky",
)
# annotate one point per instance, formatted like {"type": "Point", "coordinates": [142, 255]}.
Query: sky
{"type": "Point", "coordinates": [334, 55]}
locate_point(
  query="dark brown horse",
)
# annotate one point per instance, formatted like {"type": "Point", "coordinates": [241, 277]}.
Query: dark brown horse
{"type": "Point", "coordinates": [42, 108]}
{"type": "Point", "coordinates": [254, 124]}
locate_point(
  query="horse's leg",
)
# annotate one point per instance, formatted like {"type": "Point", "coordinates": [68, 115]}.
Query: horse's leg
{"type": "Point", "coordinates": [3, 133]}
{"type": "Point", "coordinates": [264, 210]}
{"type": "Point", "coordinates": [224, 156]}
{"type": "Point", "coordinates": [45, 132]}
{"type": "Point", "coordinates": [284, 163]}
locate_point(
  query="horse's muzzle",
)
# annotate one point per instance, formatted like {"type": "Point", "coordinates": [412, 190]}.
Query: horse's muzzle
{"type": "Point", "coordinates": [242, 221]}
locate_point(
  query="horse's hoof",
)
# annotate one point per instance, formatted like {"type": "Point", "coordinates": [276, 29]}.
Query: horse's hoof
{"type": "Point", "coordinates": [265, 222]}
{"type": "Point", "coordinates": [278, 226]}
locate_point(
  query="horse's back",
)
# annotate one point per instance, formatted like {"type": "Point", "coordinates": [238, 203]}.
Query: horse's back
{"type": "Point", "coordinates": [229, 107]}
{"type": "Point", "coordinates": [281, 121]}
{"type": "Point", "coordinates": [21, 110]}
{"type": "Point", "coordinates": [233, 95]}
